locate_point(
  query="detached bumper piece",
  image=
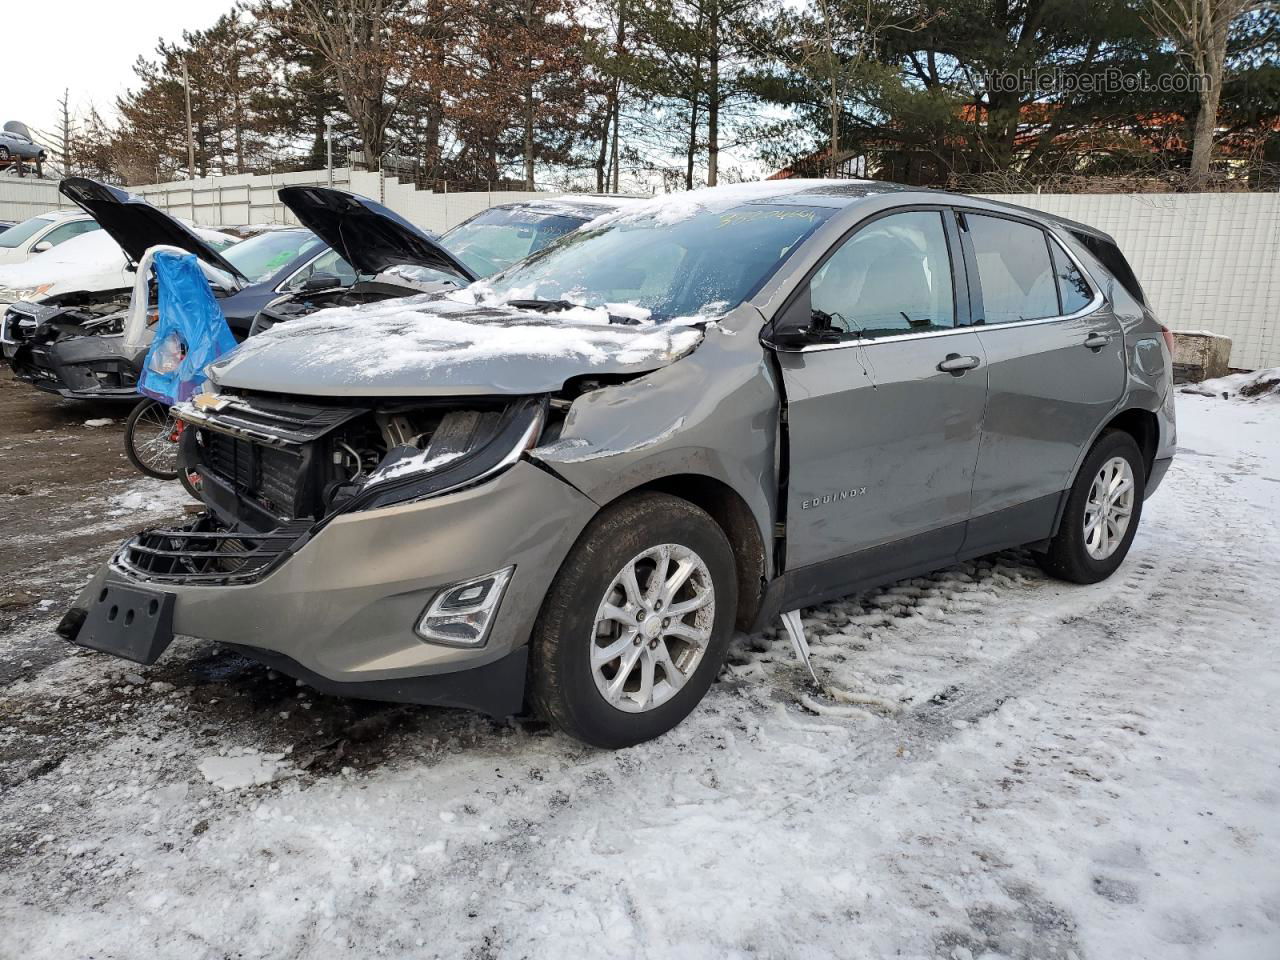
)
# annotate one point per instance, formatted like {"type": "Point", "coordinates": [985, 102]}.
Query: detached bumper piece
{"type": "Point", "coordinates": [130, 622]}
{"type": "Point", "coordinates": [495, 689]}
{"type": "Point", "coordinates": [206, 552]}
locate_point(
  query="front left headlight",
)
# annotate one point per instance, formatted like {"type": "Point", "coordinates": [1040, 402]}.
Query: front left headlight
{"type": "Point", "coordinates": [407, 473]}
{"type": "Point", "coordinates": [19, 294]}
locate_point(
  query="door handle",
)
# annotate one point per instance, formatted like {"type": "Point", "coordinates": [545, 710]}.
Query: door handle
{"type": "Point", "coordinates": [956, 365]}
{"type": "Point", "coordinates": [1096, 341]}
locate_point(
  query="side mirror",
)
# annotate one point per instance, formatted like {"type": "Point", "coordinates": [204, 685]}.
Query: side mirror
{"type": "Point", "coordinates": [42, 247]}
{"type": "Point", "coordinates": [320, 281]}
{"type": "Point", "coordinates": [801, 325]}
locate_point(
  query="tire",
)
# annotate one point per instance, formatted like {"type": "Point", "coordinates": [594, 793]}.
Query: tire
{"type": "Point", "coordinates": [1073, 554]}
{"type": "Point", "coordinates": [565, 679]}
{"type": "Point", "coordinates": [187, 459]}
{"type": "Point", "coordinates": [4, 153]}
{"type": "Point", "coordinates": [141, 432]}
{"type": "Point", "coordinates": [190, 482]}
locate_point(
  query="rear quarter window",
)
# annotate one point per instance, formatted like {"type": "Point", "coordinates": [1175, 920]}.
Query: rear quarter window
{"type": "Point", "coordinates": [1113, 261]}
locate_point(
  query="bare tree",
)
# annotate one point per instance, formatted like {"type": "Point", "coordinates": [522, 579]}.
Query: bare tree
{"type": "Point", "coordinates": [1200, 29]}
{"type": "Point", "coordinates": [835, 41]}
{"type": "Point", "coordinates": [359, 41]}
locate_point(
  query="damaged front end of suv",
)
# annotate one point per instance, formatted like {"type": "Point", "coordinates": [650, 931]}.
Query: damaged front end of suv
{"type": "Point", "coordinates": [374, 535]}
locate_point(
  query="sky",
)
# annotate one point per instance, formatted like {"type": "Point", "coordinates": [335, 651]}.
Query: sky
{"type": "Point", "coordinates": [97, 46]}
{"type": "Point", "coordinates": [91, 52]}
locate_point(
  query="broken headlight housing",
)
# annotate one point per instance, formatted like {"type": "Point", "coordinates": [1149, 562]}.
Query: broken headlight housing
{"type": "Point", "coordinates": [462, 448]}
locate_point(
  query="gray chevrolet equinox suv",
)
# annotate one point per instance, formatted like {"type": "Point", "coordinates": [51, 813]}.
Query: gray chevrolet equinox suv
{"type": "Point", "coordinates": [565, 487]}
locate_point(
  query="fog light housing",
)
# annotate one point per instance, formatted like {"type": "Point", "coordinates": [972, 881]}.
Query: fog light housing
{"type": "Point", "coordinates": [460, 614]}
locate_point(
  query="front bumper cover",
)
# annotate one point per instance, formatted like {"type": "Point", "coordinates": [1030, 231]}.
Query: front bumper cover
{"type": "Point", "coordinates": [342, 607]}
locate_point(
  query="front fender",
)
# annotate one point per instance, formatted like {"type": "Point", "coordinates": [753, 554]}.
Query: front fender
{"type": "Point", "coordinates": [713, 413]}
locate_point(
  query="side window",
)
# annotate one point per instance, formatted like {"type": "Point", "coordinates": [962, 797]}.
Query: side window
{"type": "Point", "coordinates": [330, 263]}
{"type": "Point", "coordinates": [1073, 289]}
{"type": "Point", "coordinates": [891, 277]}
{"type": "Point", "coordinates": [1014, 271]}
{"type": "Point", "coordinates": [68, 230]}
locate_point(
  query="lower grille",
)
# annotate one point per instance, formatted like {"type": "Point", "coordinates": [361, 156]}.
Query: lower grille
{"type": "Point", "coordinates": [205, 551]}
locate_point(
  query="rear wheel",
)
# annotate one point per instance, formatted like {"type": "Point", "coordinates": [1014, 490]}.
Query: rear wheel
{"type": "Point", "coordinates": [635, 626]}
{"type": "Point", "coordinates": [4, 153]}
{"type": "Point", "coordinates": [1102, 512]}
{"type": "Point", "coordinates": [151, 440]}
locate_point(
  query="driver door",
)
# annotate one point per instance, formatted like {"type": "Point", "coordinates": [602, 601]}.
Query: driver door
{"type": "Point", "coordinates": [884, 421]}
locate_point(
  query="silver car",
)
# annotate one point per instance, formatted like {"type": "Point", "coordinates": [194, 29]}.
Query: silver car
{"type": "Point", "coordinates": [16, 143]}
{"type": "Point", "coordinates": [564, 488]}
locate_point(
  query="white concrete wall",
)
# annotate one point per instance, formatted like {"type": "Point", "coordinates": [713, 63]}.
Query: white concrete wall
{"type": "Point", "coordinates": [231, 201]}
{"type": "Point", "coordinates": [1207, 261]}
{"type": "Point", "coordinates": [24, 197]}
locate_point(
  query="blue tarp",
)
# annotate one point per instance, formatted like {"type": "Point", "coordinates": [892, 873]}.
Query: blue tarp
{"type": "Point", "coordinates": [190, 334]}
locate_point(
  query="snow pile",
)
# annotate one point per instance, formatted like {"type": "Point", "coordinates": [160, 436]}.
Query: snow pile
{"type": "Point", "coordinates": [245, 768]}
{"type": "Point", "coordinates": [1241, 386]}
{"type": "Point", "coordinates": [421, 334]}
{"type": "Point", "coordinates": [149, 496]}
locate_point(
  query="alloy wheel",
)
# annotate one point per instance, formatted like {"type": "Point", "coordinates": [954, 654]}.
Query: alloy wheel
{"type": "Point", "coordinates": [1109, 508]}
{"type": "Point", "coordinates": [652, 628]}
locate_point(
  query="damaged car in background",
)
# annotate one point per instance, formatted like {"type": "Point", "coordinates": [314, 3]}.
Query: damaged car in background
{"type": "Point", "coordinates": [576, 479]}
{"type": "Point", "coordinates": [90, 344]}
{"type": "Point", "coordinates": [391, 253]}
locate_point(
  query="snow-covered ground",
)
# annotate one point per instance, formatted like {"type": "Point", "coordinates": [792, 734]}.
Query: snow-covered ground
{"type": "Point", "coordinates": [1009, 767]}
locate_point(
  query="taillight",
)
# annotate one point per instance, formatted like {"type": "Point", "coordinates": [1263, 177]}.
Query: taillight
{"type": "Point", "coordinates": [1168, 338]}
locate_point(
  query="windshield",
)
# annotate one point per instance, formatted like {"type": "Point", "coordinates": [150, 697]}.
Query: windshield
{"type": "Point", "coordinates": [16, 236]}
{"type": "Point", "coordinates": [261, 256]}
{"type": "Point", "coordinates": [494, 240]}
{"type": "Point", "coordinates": [706, 262]}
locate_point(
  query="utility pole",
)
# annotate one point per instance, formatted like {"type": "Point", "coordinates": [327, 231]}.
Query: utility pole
{"type": "Point", "coordinates": [191, 142]}
{"type": "Point", "coordinates": [328, 145]}
{"type": "Point", "coordinates": [619, 49]}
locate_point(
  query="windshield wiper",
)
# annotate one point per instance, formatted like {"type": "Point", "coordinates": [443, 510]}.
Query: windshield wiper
{"type": "Point", "coordinates": [555, 306]}
{"type": "Point", "coordinates": [542, 306]}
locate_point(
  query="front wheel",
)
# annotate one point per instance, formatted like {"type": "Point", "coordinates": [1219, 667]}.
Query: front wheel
{"type": "Point", "coordinates": [1102, 512]}
{"type": "Point", "coordinates": [151, 437]}
{"type": "Point", "coordinates": [635, 626]}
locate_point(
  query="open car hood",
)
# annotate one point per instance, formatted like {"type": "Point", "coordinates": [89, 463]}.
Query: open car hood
{"type": "Point", "coordinates": [370, 237]}
{"type": "Point", "coordinates": [136, 225]}
{"type": "Point", "coordinates": [423, 347]}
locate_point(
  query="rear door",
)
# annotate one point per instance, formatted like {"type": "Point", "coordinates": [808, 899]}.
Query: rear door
{"type": "Point", "coordinates": [1055, 369]}
{"type": "Point", "coordinates": [884, 422]}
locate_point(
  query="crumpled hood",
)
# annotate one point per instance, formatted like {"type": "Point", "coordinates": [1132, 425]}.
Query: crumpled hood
{"type": "Point", "coordinates": [424, 347]}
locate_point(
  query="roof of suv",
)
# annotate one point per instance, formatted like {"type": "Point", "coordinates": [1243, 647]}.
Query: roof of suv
{"type": "Point", "coordinates": [842, 193]}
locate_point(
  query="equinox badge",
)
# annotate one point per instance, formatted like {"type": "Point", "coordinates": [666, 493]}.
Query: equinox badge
{"type": "Point", "coordinates": [826, 498]}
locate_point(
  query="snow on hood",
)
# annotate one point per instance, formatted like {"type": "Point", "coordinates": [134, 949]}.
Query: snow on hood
{"type": "Point", "coordinates": [91, 262]}
{"type": "Point", "coordinates": [421, 346]}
